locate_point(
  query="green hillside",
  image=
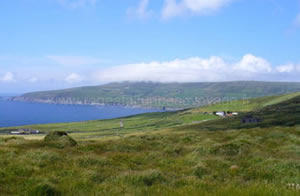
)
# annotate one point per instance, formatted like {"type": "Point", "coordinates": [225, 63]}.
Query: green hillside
{"type": "Point", "coordinates": [172, 95]}
{"type": "Point", "coordinates": [272, 113]}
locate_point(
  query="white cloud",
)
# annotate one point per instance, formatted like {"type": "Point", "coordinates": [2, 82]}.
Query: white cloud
{"type": "Point", "coordinates": [286, 68]}
{"type": "Point", "coordinates": [73, 78]}
{"type": "Point", "coordinates": [8, 77]}
{"type": "Point", "coordinates": [74, 60]}
{"type": "Point", "coordinates": [173, 8]}
{"type": "Point", "coordinates": [254, 64]}
{"type": "Point", "coordinates": [76, 3]}
{"type": "Point", "coordinates": [196, 69]}
{"type": "Point", "coordinates": [141, 11]}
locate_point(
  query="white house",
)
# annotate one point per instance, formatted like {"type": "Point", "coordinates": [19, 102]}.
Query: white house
{"type": "Point", "coordinates": [222, 114]}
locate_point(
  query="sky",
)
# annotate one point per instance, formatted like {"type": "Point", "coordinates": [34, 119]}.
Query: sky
{"type": "Point", "coordinates": [54, 44]}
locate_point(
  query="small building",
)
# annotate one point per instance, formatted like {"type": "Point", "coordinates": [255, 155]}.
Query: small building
{"type": "Point", "coordinates": [250, 119]}
{"type": "Point", "coordinates": [15, 132]}
{"type": "Point", "coordinates": [25, 132]}
{"type": "Point", "coordinates": [222, 114]}
{"type": "Point", "coordinates": [34, 132]}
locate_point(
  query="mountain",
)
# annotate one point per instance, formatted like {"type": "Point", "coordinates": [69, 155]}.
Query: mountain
{"type": "Point", "coordinates": [171, 95]}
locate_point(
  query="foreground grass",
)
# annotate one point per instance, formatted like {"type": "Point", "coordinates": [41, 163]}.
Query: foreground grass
{"type": "Point", "coordinates": [258, 161]}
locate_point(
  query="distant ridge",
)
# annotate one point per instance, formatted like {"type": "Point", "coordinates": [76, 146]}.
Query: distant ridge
{"type": "Point", "coordinates": [170, 95]}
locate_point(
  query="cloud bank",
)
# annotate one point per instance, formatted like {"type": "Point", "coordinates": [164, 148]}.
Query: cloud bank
{"type": "Point", "coordinates": [197, 69]}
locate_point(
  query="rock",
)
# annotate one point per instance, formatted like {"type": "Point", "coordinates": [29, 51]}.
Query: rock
{"type": "Point", "coordinates": [59, 139]}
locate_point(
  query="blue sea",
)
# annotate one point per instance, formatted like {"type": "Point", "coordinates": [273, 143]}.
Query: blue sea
{"type": "Point", "coordinates": [23, 113]}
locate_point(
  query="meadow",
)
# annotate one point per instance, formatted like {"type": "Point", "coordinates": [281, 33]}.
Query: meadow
{"type": "Point", "coordinates": [169, 162]}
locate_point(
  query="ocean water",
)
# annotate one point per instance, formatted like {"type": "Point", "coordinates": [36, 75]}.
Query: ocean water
{"type": "Point", "coordinates": [23, 113]}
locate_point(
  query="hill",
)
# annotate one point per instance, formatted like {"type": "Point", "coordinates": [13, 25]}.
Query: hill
{"type": "Point", "coordinates": [170, 95]}
{"type": "Point", "coordinates": [285, 113]}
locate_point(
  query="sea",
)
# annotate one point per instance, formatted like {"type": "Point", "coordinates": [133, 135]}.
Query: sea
{"type": "Point", "coordinates": [23, 113]}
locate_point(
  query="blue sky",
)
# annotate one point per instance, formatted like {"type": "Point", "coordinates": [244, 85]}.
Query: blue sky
{"type": "Point", "coordinates": [54, 44]}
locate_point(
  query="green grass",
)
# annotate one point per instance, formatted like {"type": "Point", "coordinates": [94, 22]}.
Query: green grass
{"type": "Point", "coordinates": [169, 162]}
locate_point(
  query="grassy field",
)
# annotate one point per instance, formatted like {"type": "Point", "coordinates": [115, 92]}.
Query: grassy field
{"type": "Point", "coordinates": [170, 162]}
{"type": "Point", "coordinates": [172, 153]}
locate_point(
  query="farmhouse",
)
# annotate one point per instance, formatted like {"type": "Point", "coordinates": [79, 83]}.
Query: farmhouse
{"type": "Point", "coordinates": [222, 114]}
{"type": "Point", "coordinates": [225, 114]}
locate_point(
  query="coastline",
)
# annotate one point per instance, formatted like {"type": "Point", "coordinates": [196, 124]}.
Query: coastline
{"type": "Point", "coordinates": [85, 103]}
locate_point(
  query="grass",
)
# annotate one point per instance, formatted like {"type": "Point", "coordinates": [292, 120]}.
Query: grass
{"type": "Point", "coordinates": [169, 162]}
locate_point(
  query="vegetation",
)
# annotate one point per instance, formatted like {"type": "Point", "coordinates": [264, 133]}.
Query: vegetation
{"type": "Point", "coordinates": [171, 153]}
{"type": "Point", "coordinates": [249, 162]}
{"type": "Point", "coordinates": [170, 95]}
